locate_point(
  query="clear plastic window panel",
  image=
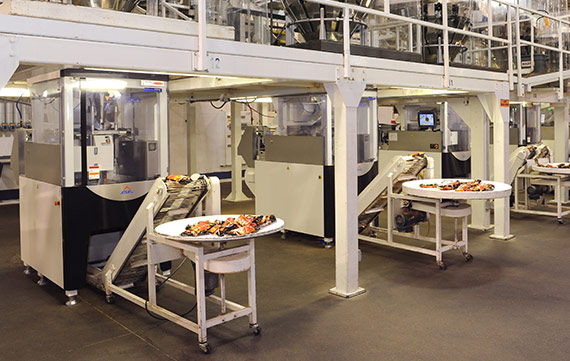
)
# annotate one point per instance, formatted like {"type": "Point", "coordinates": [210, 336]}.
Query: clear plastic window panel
{"type": "Point", "coordinates": [302, 115]}
{"type": "Point", "coordinates": [122, 131]}
{"type": "Point", "coordinates": [46, 108]}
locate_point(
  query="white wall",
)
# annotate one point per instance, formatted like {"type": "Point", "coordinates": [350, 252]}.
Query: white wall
{"type": "Point", "coordinates": [212, 131]}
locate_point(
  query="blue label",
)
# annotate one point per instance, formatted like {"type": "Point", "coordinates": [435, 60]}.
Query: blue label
{"type": "Point", "coordinates": [154, 90]}
{"type": "Point", "coordinates": [127, 190]}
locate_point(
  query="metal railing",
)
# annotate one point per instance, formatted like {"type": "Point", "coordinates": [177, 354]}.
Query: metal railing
{"type": "Point", "coordinates": [513, 42]}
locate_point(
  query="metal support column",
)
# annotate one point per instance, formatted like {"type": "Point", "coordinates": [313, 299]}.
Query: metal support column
{"type": "Point", "coordinates": [191, 138]}
{"type": "Point", "coordinates": [561, 119]}
{"type": "Point", "coordinates": [237, 194]}
{"type": "Point", "coordinates": [471, 111]}
{"type": "Point", "coordinates": [346, 95]}
{"type": "Point", "coordinates": [497, 107]}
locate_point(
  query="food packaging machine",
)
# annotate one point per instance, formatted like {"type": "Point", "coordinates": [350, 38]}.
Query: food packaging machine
{"type": "Point", "coordinates": [434, 129]}
{"type": "Point", "coordinates": [82, 183]}
{"type": "Point", "coordinates": [291, 171]}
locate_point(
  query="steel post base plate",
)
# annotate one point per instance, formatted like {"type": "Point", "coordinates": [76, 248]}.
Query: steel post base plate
{"type": "Point", "coordinates": [336, 292]}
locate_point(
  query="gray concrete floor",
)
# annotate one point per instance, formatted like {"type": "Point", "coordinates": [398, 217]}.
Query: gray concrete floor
{"type": "Point", "coordinates": [511, 303]}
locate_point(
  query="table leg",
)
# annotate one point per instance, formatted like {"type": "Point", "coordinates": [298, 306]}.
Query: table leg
{"type": "Point", "coordinates": [151, 274]}
{"type": "Point", "coordinates": [201, 297]}
{"type": "Point", "coordinates": [438, 256]}
{"type": "Point", "coordinates": [251, 288]}
{"type": "Point", "coordinates": [223, 292]}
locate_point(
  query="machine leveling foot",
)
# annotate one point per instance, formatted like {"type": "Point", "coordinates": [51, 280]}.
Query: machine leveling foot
{"type": "Point", "coordinates": [283, 234]}
{"type": "Point", "coordinates": [27, 270]}
{"type": "Point", "coordinates": [328, 242]}
{"type": "Point", "coordinates": [442, 266]}
{"type": "Point", "coordinates": [256, 329]}
{"type": "Point", "coordinates": [205, 347]}
{"type": "Point", "coordinates": [468, 257]}
{"type": "Point", "coordinates": [71, 298]}
{"type": "Point", "coordinates": [560, 221]}
{"type": "Point", "coordinates": [72, 301]}
{"type": "Point", "coordinates": [110, 299]}
{"type": "Point", "coordinates": [42, 281]}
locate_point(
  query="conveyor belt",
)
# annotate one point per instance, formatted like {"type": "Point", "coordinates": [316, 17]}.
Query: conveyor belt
{"type": "Point", "coordinates": [129, 256]}
{"type": "Point", "coordinates": [413, 166]}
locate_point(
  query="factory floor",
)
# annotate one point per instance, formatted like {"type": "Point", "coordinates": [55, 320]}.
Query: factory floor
{"type": "Point", "coordinates": [511, 303]}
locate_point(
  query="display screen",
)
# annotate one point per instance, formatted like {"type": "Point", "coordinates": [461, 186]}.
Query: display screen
{"type": "Point", "coordinates": [426, 120]}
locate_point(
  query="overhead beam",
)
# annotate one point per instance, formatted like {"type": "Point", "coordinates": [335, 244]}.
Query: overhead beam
{"type": "Point", "coordinates": [8, 59]}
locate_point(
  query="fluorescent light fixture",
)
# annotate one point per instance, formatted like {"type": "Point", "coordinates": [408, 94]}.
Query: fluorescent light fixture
{"type": "Point", "coordinates": [200, 75]}
{"type": "Point", "coordinates": [263, 100]}
{"type": "Point", "coordinates": [429, 91]}
{"type": "Point", "coordinates": [14, 92]}
{"type": "Point", "coordinates": [103, 84]}
{"type": "Point", "coordinates": [251, 100]}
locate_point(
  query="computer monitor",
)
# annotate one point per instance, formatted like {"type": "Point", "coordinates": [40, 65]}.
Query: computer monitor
{"type": "Point", "coordinates": [426, 119]}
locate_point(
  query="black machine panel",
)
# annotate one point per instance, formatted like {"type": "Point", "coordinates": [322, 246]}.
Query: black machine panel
{"type": "Point", "coordinates": [88, 214]}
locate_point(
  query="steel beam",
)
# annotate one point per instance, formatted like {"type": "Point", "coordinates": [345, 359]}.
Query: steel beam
{"type": "Point", "coordinates": [499, 115]}
{"type": "Point", "coordinates": [191, 139]}
{"type": "Point", "coordinates": [237, 194]}
{"type": "Point", "coordinates": [346, 95]}
{"type": "Point", "coordinates": [8, 59]}
{"type": "Point", "coordinates": [561, 119]}
{"type": "Point", "coordinates": [471, 111]}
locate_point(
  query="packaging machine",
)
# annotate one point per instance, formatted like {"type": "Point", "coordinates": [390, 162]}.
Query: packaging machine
{"type": "Point", "coordinates": [434, 129]}
{"type": "Point", "coordinates": [292, 169]}
{"type": "Point", "coordinates": [99, 141]}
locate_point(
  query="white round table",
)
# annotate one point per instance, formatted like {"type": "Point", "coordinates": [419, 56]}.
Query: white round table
{"type": "Point", "coordinates": [562, 171]}
{"type": "Point", "coordinates": [413, 188]}
{"type": "Point", "coordinates": [173, 230]}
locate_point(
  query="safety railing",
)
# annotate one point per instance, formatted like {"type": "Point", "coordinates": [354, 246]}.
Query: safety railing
{"type": "Point", "coordinates": [504, 32]}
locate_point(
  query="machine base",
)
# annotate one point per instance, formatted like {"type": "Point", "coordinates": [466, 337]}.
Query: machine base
{"type": "Point", "coordinates": [336, 292]}
{"type": "Point", "coordinates": [502, 238]}
{"type": "Point", "coordinates": [478, 228]}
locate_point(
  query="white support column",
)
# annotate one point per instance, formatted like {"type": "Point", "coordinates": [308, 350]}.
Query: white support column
{"type": "Point", "coordinates": [237, 194]}
{"type": "Point", "coordinates": [471, 111]}
{"type": "Point", "coordinates": [499, 115]}
{"type": "Point", "coordinates": [561, 119]}
{"type": "Point", "coordinates": [346, 95]}
{"type": "Point", "coordinates": [8, 59]}
{"type": "Point", "coordinates": [191, 138]}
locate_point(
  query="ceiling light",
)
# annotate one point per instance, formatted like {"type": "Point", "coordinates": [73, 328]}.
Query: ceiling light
{"type": "Point", "coordinates": [103, 84]}
{"type": "Point", "coordinates": [14, 92]}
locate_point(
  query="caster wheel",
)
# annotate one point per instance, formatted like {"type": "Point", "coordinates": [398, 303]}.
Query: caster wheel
{"type": "Point", "coordinates": [442, 266]}
{"type": "Point", "coordinates": [560, 221]}
{"type": "Point", "coordinates": [468, 257]}
{"type": "Point", "coordinates": [110, 299]}
{"type": "Point", "coordinates": [256, 330]}
{"type": "Point", "coordinates": [205, 348]}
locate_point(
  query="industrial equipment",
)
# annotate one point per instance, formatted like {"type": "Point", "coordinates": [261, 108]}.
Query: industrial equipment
{"type": "Point", "coordinates": [83, 182]}
{"type": "Point", "coordinates": [397, 191]}
{"type": "Point", "coordinates": [437, 131]}
{"type": "Point", "coordinates": [212, 255]}
{"type": "Point", "coordinates": [534, 182]}
{"type": "Point", "coordinates": [292, 175]}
